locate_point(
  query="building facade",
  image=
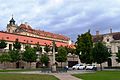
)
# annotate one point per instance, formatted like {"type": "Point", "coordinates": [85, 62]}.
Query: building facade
{"type": "Point", "coordinates": [112, 41]}
{"type": "Point", "coordinates": [27, 35]}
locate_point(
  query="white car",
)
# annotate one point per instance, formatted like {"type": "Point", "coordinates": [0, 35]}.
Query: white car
{"type": "Point", "coordinates": [78, 66]}
{"type": "Point", "coordinates": [91, 67]}
{"type": "Point", "coordinates": [81, 67]}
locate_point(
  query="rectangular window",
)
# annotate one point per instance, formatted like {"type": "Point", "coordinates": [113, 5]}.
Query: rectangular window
{"type": "Point", "coordinates": [10, 46]}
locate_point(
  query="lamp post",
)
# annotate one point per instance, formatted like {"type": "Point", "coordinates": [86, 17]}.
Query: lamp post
{"type": "Point", "coordinates": [53, 61]}
{"type": "Point", "coordinates": [79, 61]}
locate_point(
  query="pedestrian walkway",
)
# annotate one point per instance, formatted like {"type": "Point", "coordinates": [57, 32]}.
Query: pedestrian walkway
{"type": "Point", "coordinates": [65, 76]}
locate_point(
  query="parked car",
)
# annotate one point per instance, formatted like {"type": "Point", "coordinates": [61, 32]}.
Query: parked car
{"type": "Point", "coordinates": [91, 67]}
{"type": "Point", "coordinates": [78, 66]}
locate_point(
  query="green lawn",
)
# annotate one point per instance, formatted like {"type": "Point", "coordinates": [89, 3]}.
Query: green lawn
{"type": "Point", "coordinates": [100, 75]}
{"type": "Point", "coordinates": [19, 70]}
{"type": "Point", "coordinates": [5, 76]}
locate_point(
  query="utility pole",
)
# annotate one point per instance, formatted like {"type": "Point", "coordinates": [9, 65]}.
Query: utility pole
{"type": "Point", "coordinates": [53, 61]}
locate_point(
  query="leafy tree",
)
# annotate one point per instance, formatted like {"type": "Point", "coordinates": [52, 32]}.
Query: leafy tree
{"type": "Point", "coordinates": [44, 59]}
{"type": "Point", "coordinates": [27, 46]}
{"type": "Point", "coordinates": [15, 55]}
{"type": "Point", "coordinates": [38, 47]}
{"type": "Point", "coordinates": [70, 50]}
{"type": "Point", "coordinates": [5, 58]}
{"type": "Point", "coordinates": [29, 55]}
{"type": "Point", "coordinates": [62, 55]}
{"type": "Point", "coordinates": [17, 44]}
{"type": "Point", "coordinates": [118, 56]}
{"type": "Point", "coordinates": [3, 44]}
{"type": "Point", "coordinates": [100, 53]}
{"type": "Point", "coordinates": [47, 48]}
{"type": "Point", "coordinates": [84, 46]}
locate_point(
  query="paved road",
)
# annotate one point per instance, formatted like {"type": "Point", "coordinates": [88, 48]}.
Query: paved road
{"type": "Point", "coordinates": [65, 76]}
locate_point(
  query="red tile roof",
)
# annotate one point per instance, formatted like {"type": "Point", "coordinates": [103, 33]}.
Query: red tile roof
{"type": "Point", "coordinates": [72, 46]}
{"type": "Point", "coordinates": [42, 33]}
{"type": "Point", "coordinates": [30, 40]}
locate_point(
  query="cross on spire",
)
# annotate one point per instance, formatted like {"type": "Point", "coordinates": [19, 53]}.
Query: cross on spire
{"type": "Point", "coordinates": [12, 15]}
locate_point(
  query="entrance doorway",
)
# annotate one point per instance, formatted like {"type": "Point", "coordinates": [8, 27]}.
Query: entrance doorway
{"type": "Point", "coordinates": [38, 65]}
{"type": "Point", "coordinates": [109, 62]}
{"type": "Point", "coordinates": [18, 65]}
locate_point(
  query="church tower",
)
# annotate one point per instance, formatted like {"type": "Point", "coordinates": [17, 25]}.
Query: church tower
{"type": "Point", "coordinates": [11, 27]}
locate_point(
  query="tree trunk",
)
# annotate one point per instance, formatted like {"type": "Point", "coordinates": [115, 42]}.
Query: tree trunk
{"type": "Point", "coordinates": [4, 65]}
{"type": "Point", "coordinates": [101, 66]}
{"type": "Point", "coordinates": [61, 64]}
{"type": "Point", "coordinates": [30, 65]}
{"type": "Point", "coordinates": [14, 65]}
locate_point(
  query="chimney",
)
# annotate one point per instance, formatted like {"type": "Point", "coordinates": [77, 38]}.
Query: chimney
{"type": "Point", "coordinates": [97, 32]}
{"type": "Point", "coordinates": [110, 30]}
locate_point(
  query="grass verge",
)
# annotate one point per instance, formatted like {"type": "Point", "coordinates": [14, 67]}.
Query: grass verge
{"type": "Point", "coordinates": [5, 76]}
{"type": "Point", "coordinates": [18, 70]}
{"type": "Point", "coordinates": [100, 75]}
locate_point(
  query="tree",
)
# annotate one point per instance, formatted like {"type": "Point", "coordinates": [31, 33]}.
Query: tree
{"type": "Point", "coordinates": [3, 44]}
{"type": "Point", "coordinates": [5, 58]}
{"type": "Point", "coordinates": [15, 55]}
{"type": "Point", "coordinates": [38, 51]}
{"type": "Point", "coordinates": [100, 53]}
{"type": "Point", "coordinates": [62, 55]}
{"type": "Point", "coordinates": [29, 55]}
{"type": "Point", "coordinates": [47, 48]}
{"type": "Point", "coordinates": [70, 50]}
{"type": "Point", "coordinates": [84, 46]}
{"type": "Point", "coordinates": [118, 56]}
{"type": "Point", "coordinates": [38, 47]}
{"type": "Point", "coordinates": [44, 59]}
{"type": "Point", "coordinates": [17, 44]}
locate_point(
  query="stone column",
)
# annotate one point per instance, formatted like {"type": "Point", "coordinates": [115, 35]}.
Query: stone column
{"type": "Point", "coordinates": [53, 61]}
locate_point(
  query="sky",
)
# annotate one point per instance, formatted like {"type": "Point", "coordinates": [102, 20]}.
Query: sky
{"type": "Point", "coordinates": [67, 17]}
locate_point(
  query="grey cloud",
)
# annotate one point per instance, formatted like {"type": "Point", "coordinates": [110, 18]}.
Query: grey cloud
{"type": "Point", "coordinates": [68, 17]}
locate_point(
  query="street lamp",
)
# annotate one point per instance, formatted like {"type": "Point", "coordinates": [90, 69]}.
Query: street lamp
{"type": "Point", "coordinates": [53, 61]}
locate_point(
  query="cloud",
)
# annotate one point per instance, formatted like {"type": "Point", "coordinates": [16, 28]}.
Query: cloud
{"type": "Point", "coordinates": [68, 17]}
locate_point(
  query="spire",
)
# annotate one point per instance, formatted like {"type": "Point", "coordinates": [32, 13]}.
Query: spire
{"type": "Point", "coordinates": [12, 21]}
{"type": "Point", "coordinates": [88, 30]}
